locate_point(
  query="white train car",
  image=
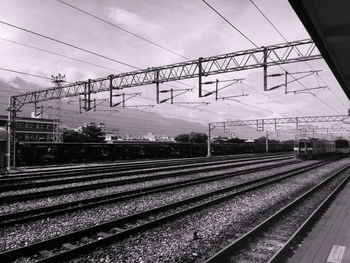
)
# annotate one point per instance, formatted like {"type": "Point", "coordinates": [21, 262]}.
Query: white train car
{"type": "Point", "coordinates": [309, 148]}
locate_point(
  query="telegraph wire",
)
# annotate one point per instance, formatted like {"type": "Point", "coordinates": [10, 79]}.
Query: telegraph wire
{"type": "Point", "coordinates": [82, 49]}
{"type": "Point", "coordinates": [258, 47]}
{"type": "Point", "coordinates": [57, 54]}
{"type": "Point", "coordinates": [229, 23]}
{"type": "Point", "coordinates": [125, 30]}
{"type": "Point", "coordinates": [68, 44]}
{"type": "Point", "coordinates": [279, 32]}
{"type": "Point", "coordinates": [24, 73]}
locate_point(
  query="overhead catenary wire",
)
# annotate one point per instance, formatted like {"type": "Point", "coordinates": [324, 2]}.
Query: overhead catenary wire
{"type": "Point", "coordinates": [285, 39]}
{"type": "Point", "coordinates": [24, 73]}
{"type": "Point", "coordinates": [68, 44]}
{"type": "Point", "coordinates": [82, 49]}
{"type": "Point", "coordinates": [123, 29]}
{"type": "Point", "coordinates": [136, 35]}
{"type": "Point", "coordinates": [55, 53]}
{"type": "Point", "coordinates": [211, 7]}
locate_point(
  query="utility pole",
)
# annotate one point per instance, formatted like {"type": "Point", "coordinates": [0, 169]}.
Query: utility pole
{"type": "Point", "coordinates": [208, 141]}
{"type": "Point", "coordinates": [57, 127]}
{"type": "Point", "coordinates": [267, 142]}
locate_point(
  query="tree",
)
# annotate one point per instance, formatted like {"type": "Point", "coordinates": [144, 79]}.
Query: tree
{"type": "Point", "coordinates": [182, 137]}
{"type": "Point", "coordinates": [197, 137]}
{"type": "Point", "coordinates": [236, 140]}
{"type": "Point", "coordinates": [73, 136]}
{"type": "Point", "coordinates": [93, 134]}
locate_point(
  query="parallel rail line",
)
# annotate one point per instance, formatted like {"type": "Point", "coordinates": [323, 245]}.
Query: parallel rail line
{"type": "Point", "coordinates": [110, 172]}
{"type": "Point", "coordinates": [264, 230]}
{"type": "Point", "coordinates": [33, 214]}
{"type": "Point", "coordinates": [73, 189]}
{"type": "Point", "coordinates": [90, 169]}
{"type": "Point", "coordinates": [123, 227]}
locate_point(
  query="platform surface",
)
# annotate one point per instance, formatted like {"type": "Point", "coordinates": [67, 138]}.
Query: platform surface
{"type": "Point", "coordinates": [329, 240]}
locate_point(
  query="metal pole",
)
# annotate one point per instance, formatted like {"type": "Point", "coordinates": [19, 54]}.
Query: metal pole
{"type": "Point", "coordinates": [285, 82]}
{"type": "Point", "coordinates": [172, 96]}
{"type": "Point", "coordinates": [267, 142]}
{"type": "Point", "coordinates": [200, 76]}
{"type": "Point", "coordinates": [9, 126]}
{"type": "Point", "coordinates": [110, 91]}
{"type": "Point", "coordinates": [216, 89]}
{"type": "Point", "coordinates": [208, 142]}
{"type": "Point", "coordinates": [157, 85]}
{"type": "Point", "coordinates": [89, 94]}
{"type": "Point", "coordinates": [265, 69]}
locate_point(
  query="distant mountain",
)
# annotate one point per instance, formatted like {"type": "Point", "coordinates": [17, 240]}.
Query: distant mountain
{"type": "Point", "coordinates": [128, 121]}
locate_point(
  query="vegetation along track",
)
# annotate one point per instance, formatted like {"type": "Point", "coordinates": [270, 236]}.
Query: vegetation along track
{"type": "Point", "coordinates": [33, 214]}
{"type": "Point", "coordinates": [84, 240]}
{"type": "Point", "coordinates": [272, 239]}
{"type": "Point", "coordinates": [73, 189]}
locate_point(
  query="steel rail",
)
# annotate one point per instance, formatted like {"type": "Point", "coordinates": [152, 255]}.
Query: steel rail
{"type": "Point", "coordinates": [226, 253]}
{"type": "Point", "coordinates": [126, 221]}
{"type": "Point", "coordinates": [74, 189]}
{"type": "Point", "coordinates": [283, 253]}
{"type": "Point", "coordinates": [54, 210]}
{"type": "Point", "coordinates": [71, 171]}
{"type": "Point", "coordinates": [9, 184]}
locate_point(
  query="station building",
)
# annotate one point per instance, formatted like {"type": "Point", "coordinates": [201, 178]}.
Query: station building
{"type": "Point", "coordinates": [32, 129]}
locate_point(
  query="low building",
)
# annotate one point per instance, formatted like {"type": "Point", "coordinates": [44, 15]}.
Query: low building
{"type": "Point", "coordinates": [32, 129]}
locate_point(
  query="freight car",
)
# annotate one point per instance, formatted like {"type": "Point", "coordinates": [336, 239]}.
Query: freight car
{"type": "Point", "coordinates": [309, 148]}
{"type": "Point", "coordinates": [37, 153]}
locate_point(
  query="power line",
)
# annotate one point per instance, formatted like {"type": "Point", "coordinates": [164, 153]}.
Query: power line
{"type": "Point", "coordinates": [229, 23]}
{"type": "Point", "coordinates": [68, 44]}
{"type": "Point", "coordinates": [94, 53]}
{"type": "Point", "coordinates": [57, 54]}
{"type": "Point", "coordinates": [257, 47]}
{"type": "Point", "coordinates": [279, 32]}
{"type": "Point", "coordinates": [24, 73]}
{"type": "Point", "coordinates": [125, 30]}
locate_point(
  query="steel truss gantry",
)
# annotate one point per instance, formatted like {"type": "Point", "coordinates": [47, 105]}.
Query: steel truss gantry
{"type": "Point", "coordinates": [261, 123]}
{"type": "Point", "coordinates": [296, 51]}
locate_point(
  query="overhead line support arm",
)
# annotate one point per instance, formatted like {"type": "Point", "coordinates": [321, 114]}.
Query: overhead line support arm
{"type": "Point", "coordinates": [231, 62]}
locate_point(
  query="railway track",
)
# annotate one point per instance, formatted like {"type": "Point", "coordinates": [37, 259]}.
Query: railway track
{"type": "Point", "coordinates": [84, 240]}
{"type": "Point", "coordinates": [73, 189]}
{"type": "Point", "coordinates": [110, 172]}
{"type": "Point", "coordinates": [110, 167]}
{"type": "Point", "coordinates": [274, 238]}
{"type": "Point", "coordinates": [54, 210]}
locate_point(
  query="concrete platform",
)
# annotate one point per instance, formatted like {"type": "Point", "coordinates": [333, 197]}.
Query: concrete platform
{"type": "Point", "coordinates": [329, 240]}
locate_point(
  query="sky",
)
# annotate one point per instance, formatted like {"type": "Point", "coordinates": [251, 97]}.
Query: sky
{"type": "Point", "coordinates": [179, 30]}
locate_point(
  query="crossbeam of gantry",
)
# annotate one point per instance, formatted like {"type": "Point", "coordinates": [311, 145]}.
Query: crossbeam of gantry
{"type": "Point", "coordinates": [296, 51]}
{"type": "Point", "coordinates": [277, 121]}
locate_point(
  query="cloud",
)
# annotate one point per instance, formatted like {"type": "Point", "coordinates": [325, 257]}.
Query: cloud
{"type": "Point", "coordinates": [131, 21]}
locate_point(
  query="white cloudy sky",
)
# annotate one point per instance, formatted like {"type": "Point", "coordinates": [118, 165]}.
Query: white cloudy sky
{"type": "Point", "coordinates": [189, 28]}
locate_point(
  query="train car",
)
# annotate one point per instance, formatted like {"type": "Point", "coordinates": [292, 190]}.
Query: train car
{"type": "Point", "coordinates": [3, 150]}
{"type": "Point", "coordinates": [342, 146]}
{"type": "Point", "coordinates": [309, 148]}
{"type": "Point", "coordinates": [38, 153]}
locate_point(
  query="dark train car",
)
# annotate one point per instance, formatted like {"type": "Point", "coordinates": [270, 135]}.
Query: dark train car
{"type": "Point", "coordinates": [342, 146]}
{"type": "Point", "coordinates": [189, 149]}
{"type": "Point", "coordinates": [36, 153]}
{"type": "Point", "coordinates": [3, 150]}
{"type": "Point", "coordinates": [309, 148]}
